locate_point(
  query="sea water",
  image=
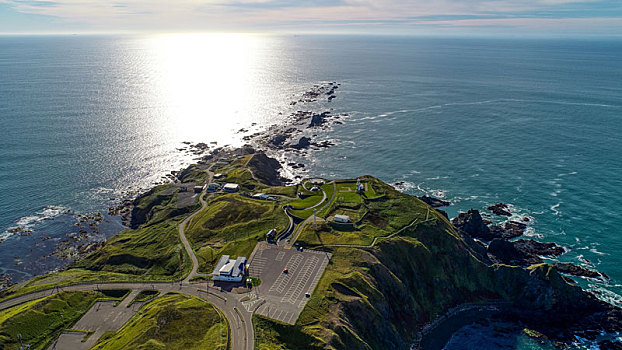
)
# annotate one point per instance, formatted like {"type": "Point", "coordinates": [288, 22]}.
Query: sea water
{"type": "Point", "coordinates": [533, 123]}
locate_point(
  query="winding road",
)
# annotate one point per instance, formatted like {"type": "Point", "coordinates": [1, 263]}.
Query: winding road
{"type": "Point", "coordinates": [242, 335]}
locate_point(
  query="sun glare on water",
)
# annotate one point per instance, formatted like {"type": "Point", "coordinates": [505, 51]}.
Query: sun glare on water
{"type": "Point", "coordinates": [208, 84]}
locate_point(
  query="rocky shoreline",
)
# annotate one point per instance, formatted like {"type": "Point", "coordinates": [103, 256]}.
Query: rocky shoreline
{"type": "Point", "coordinates": [495, 244]}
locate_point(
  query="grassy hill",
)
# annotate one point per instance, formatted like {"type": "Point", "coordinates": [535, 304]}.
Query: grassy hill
{"type": "Point", "coordinates": [41, 321]}
{"type": "Point", "coordinates": [232, 224]}
{"type": "Point", "coordinates": [172, 321]}
{"type": "Point", "coordinates": [375, 297]}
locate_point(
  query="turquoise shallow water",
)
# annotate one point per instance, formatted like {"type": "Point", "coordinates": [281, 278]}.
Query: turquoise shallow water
{"type": "Point", "coordinates": [537, 124]}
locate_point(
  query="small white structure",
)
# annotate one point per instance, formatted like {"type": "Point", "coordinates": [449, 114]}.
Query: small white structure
{"type": "Point", "coordinates": [316, 182]}
{"type": "Point", "coordinates": [198, 189]}
{"type": "Point", "coordinates": [218, 176]}
{"type": "Point", "coordinates": [230, 270]}
{"type": "Point", "coordinates": [231, 187]}
{"type": "Point", "coordinates": [359, 186]}
{"type": "Point", "coordinates": [262, 196]}
{"type": "Point", "coordinates": [315, 189]}
{"type": "Point", "coordinates": [342, 218]}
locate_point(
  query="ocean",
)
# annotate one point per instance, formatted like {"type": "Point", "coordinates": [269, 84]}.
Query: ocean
{"type": "Point", "coordinates": [535, 123]}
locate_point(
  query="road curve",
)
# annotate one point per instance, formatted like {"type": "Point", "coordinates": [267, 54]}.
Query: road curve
{"type": "Point", "coordinates": [240, 320]}
{"type": "Point", "coordinates": [182, 232]}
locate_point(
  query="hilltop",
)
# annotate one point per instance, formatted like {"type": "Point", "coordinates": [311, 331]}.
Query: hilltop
{"type": "Point", "coordinates": [395, 265]}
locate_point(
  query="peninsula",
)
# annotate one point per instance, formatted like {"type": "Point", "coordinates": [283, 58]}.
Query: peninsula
{"type": "Point", "coordinates": [330, 264]}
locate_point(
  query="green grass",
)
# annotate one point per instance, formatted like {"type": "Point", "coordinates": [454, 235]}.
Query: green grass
{"type": "Point", "coordinates": [172, 321]}
{"type": "Point", "coordinates": [194, 173]}
{"type": "Point", "coordinates": [244, 178]}
{"type": "Point", "coordinates": [150, 253]}
{"type": "Point", "coordinates": [145, 295]}
{"type": "Point", "coordinates": [308, 201]}
{"type": "Point", "coordinates": [157, 205]}
{"type": "Point", "coordinates": [273, 335]}
{"type": "Point", "coordinates": [41, 321]}
{"type": "Point", "coordinates": [232, 225]}
{"type": "Point", "coordinates": [377, 218]}
{"type": "Point", "coordinates": [288, 191]}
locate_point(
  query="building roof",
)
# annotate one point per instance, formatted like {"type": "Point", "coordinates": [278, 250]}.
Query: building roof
{"type": "Point", "coordinates": [231, 186]}
{"type": "Point", "coordinates": [342, 217]}
{"type": "Point", "coordinates": [229, 267]}
{"type": "Point", "coordinates": [238, 266]}
{"type": "Point", "coordinates": [222, 262]}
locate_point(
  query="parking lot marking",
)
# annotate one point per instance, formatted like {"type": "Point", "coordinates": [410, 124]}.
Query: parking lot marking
{"type": "Point", "coordinates": [296, 289]}
{"type": "Point", "coordinates": [281, 282]}
{"type": "Point", "coordinates": [279, 257]}
{"type": "Point", "coordinates": [257, 266]}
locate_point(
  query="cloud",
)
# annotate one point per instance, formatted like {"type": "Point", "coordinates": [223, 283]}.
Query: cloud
{"type": "Point", "coordinates": [275, 15]}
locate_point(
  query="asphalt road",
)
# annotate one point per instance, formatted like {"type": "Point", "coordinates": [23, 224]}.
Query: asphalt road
{"type": "Point", "coordinates": [240, 320]}
{"type": "Point", "coordinates": [242, 334]}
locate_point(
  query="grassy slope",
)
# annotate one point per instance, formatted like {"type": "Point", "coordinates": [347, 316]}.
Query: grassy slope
{"type": "Point", "coordinates": [380, 217]}
{"type": "Point", "coordinates": [172, 321]}
{"type": "Point", "coordinates": [232, 225]}
{"type": "Point", "coordinates": [153, 252]}
{"type": "Point", "coordinates": [374, 298]}
{"type": "Point", "coordinates": [40, 321]}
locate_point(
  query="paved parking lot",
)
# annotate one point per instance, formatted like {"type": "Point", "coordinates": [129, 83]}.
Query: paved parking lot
{"type": "Point", "coordinates": [281, 296]}
{"type": "Point", "coordinates": [102, 317]}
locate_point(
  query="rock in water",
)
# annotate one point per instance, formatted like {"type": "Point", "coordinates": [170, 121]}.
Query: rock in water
{"type": "Point", "coordinates": [434, 202]}
{"type": "Point", "coordinates": [500, 209]}
{"type": "Point", "coordinates": [575, 270]}
{"type": "Point", "coordinates": [505, 252]}
{"type": "Point", "coordinates": [471, 223]}
{"type": "Point", "coordinates": [529, 246]}
{"type": "Point", "coordinates": [304, 142]}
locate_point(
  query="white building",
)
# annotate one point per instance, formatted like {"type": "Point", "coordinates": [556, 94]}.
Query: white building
{"type": "Point", "coordinates": [231, 187]}
{"type": "Point", "coordinates": [342, 218]}
{"type": "Point", "coordinates": [262, 196]}
{"type": "Point", "coordinates": [230, 270]}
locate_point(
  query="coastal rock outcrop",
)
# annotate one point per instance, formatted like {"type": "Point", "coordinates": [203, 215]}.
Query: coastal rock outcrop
{"type": "Point", "coordinates": [471, 222]}
{"type": "Point", "coordinates": [434, 202]}
{"type": "Point", "coordinates": [303, 142]}
{"type": "Point", "coordinates": [500, 209]}
{"type": "Point", "coordinates": [575, 270]}
{"type": "Point", "coordinates": [266, 169]}
{"type": "Point", "coordinates": [523, 252]}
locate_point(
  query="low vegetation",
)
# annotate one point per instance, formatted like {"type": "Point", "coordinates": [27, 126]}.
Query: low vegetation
{"type": "Point", "coordinates": [153, 252]}
{"type": "Point", "coordinates": [233, 224]}
{"type": "Point", "coordinates": [40, 322]}
{"type": "Point", "coordinates": [369, 219]}
{"type": "Point", "coordinates": [172, 321]}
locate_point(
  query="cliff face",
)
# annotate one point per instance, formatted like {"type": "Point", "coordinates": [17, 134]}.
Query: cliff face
{"type": "Point", "coordinates": [378, 298]}
{"type": "Point", "coordinates": [156, 205]}
{"type": "Point", "coordinates": [265, 169]}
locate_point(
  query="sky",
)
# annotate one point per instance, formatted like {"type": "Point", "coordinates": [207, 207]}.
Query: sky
{"type": "Point", "coordinates": [558, 18]}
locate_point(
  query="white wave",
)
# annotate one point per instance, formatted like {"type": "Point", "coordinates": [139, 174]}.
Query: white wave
{"type": "Point", "coordinates": [26, 223]}
{"type": "Point", "coordinates": [595, 251]}
{"type": "Point", "coordinates": [606, 294]}
{"type": "Point", "coordinates": [405, 186]}
{"type": "Point", "coordinates": [554, 209]}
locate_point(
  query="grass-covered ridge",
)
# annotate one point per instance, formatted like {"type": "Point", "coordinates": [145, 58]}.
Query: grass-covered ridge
{"type": "Point", "coordinates": [41, 321]}
{"type": "Point", "coordinates": [153, 252]}
{"type": "Point", "coordinates": [232, 224]}
{"type": "Point", "coordinates": [172, 321]}
{"type": "Point", "coordinates": [377, 297]}
{"type": "Point", "coordinates": [381, 216]}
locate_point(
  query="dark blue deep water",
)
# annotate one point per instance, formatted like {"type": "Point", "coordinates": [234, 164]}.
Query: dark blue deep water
{"type": "Point", "coordinates": [533, 123]}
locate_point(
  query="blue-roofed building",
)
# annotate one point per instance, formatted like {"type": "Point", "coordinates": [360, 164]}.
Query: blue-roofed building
{"type": "Point", "coordinates": [230, 270]}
